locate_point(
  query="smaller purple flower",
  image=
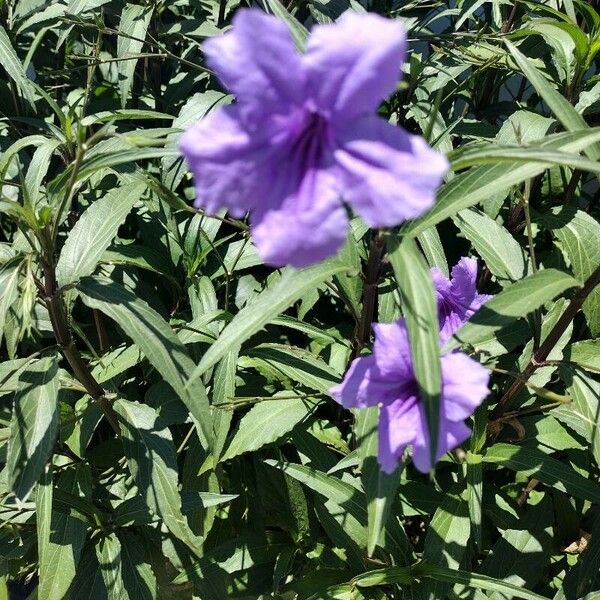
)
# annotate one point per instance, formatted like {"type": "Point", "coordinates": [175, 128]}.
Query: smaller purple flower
{"type": "Point", "coordinates": [457, 298]}
{"type": "Point", "coordinates": [386, 378]}
{"type": "Point", "coordinates": [303, 136]}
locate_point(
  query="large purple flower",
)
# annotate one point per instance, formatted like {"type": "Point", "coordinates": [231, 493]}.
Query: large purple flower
{"type": "Point", "coordinates": [303, 135]}
{"type": "Point", "coordinates": [457, 298]}
{"type": "Point", "coordinates": [386, 378]}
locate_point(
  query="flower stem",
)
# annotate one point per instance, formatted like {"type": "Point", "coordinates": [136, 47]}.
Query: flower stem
{"type": "Point", "coordinates": [62, 333]}
{"type": "Point", "coordinates": [369, 298]}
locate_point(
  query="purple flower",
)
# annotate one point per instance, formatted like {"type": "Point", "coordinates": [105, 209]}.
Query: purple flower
{"type": "Point", "coordinates": [303, 135]}
{"type": "Point", "coordinates": [457, 298]}
{"type": "Point", "coordinates": [387, 378]}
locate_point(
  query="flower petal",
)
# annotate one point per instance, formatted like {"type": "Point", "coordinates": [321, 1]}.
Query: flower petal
{"type": "Point", "coordinates": [400, 424]}
{"type": "Point", "coordinates": [464, 385]}
{"type": "Point", "coordinates": [390, 175]}
{"type": "Point", "coordinates": [258, 62]}
{"type": "Point", "coordinates": [464, 286]}
{"type": "Point", "coordinates": [392, 350]}
{"type": "Point", "coordinates": [364, 385]}
{"type": "Point", "coordinates": [307, 227]}
{"type": "Point", "coordinates": [228, 163]}
{"type": "Point", "coordinates": [355, 63]}
{"type": "Point", "coordinates": [450, 436]}
{"type": "Point", "coordinates": [457, 299]}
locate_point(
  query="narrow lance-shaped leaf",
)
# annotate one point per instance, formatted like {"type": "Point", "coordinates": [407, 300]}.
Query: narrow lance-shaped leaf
{"type": "Point", "coordinates": [298, 31]}
{"type": "Point", "coordinates": [583, 413]}
{"type": "Point", "coordinates": [9, 282]}
{"type": "Point", "coordinates": [545, 468]}
{"type": "Point", "coordinates": [152, 461]}
{"type": "Point", "coordinates": [12, 65]}
{"type": "Point", "coordinates": [59, 559]}
{"type": "Point", "coordinates": [578, 234]}
{"type": "Point", "coordinates": [420, 310]}
{"type": "Point", "coordinates": [380, 487]}
{"type": "Point", "coordinates": [498, 248]}
{"type": "Point", "coordinates": [43, 509]}
{"type": "Point", "coordinates": [108, 552]}
{"type": "Point", "coordinates": [405, 575]}
{"type": "Point", "coordinates": [253, 317]}
{"type": "Point", "coordinates": [482, 182]}
{"type": "Point", "coordinates": [516, 301]}
{"type": "Point", "coordinates": [138, 577]}
{"type": "Point", "coordinates": [560, 106]}
{"type": "Point", "coordinates": [445, 543]}
{"type": "Point", "coordinates": [351, 499]}
{"type": "Point", "coordinates": [33, 426]}
{"type": "Point", "coordinates": [267, 422]}
{"type": "Point", "coordinates": [94, 231]}
{"type": "Point", "coordinates": [156, 340]}
{"type": "Point", "coordinates": [132, 33]}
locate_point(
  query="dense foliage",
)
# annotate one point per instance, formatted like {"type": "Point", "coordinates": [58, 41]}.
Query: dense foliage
{"type": "Point", "coordinates": [165, 424]}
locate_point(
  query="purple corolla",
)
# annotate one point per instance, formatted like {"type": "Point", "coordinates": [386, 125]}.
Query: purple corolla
{"type": "Point", "coordinates": [457, 298]}
{"type": "Point", "coordinates": [386, 378]}
{"type": "Point", "coordinates": [303, 136]}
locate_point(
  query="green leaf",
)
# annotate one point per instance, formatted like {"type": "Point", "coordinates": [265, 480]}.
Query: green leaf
{"type": "Point", "coordinates": [570, 119]}
{"type": "Point", "coordinates": [432, 247]}
{"type": "Point", "coordinates": [297, 364]}
{"type": "Point", "coordinates": [156, 340]}
{"type": "Point", "coordinates": [38, 167]}
{"type": "Point", "coordinates": [108, 551]}
{"type": "Point", "coordinates": [578, 234]}
{"type": "Point", "coordinates": [88, 583]}
{"type": "Point", "coordinates": [548, 470]}
{"type": "Point", "coordinates": [9, 283]}
{"type": "Point", "coordinates": [380, 487]}
{"type": "Point", "coordinates": [153, 463]}
{"type": "Point", "coordinates": [298, 31]}
{"type": "Point", "coordinates": [482, 182]}
{"type": "Point", "coordinates": [583, 413]}
{"type": "Point", "coordinates": [482, 582]}
{"type": "Point", "coordinates": [519, 557]}
{"type": "Point", "coordinates": [514, 302]}
{"type": "Point", "coordinates": [405, 575]}
{"type": "Point", "coordinates": [224, 382]}
{"type": "Point", "coordinates": [268, 304]}
{"type": "Point", "coordinates": [94, 231]}
{"type": "Point", "coordinates": [33, 426]}
{"type": "Point", "coordinates": [12, 65]}
{"type": "Point", "coordinates": [350, 499]}
{"type": "Point", "coordinates": [107, 158]}
{"type": "Point", "coordinates": [585, 353]}
{"type": "Point", "coordinates": [138, 577]}
{"type": "Point", "coordinates": [134, 24]}
{"type": "Point", "coordinates": [59, 559]}
{"type": "Point", "coordinates": [43, 510]}
{"type": "Point", "coordinates": [127, 114]}
{"type": "Point", "coordinates": [518, 154]}
{"type": "Point", "coordinates": [268, 422]}
{"type": "Point", "coordinates": [501, 252]}
{"type": "Point", "coordinates": [446, 543]}
{"type": "Point", "coordinates": [420, 310]}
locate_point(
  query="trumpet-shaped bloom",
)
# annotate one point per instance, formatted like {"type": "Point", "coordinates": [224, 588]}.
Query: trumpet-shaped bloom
{"type": "Point", "coordinates": [457, 298]}
{"type": "Point", "coordinates": [386, 378]}
{"type": "Point", "coordinates": [303, 136]}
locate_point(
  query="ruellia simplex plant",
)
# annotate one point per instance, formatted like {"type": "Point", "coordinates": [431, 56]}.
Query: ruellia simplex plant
{"type": "Point", "coordinates": [299, 301]}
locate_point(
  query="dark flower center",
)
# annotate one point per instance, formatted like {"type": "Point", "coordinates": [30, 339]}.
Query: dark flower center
{"type": "Point", "coordinates": [312, 141]}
